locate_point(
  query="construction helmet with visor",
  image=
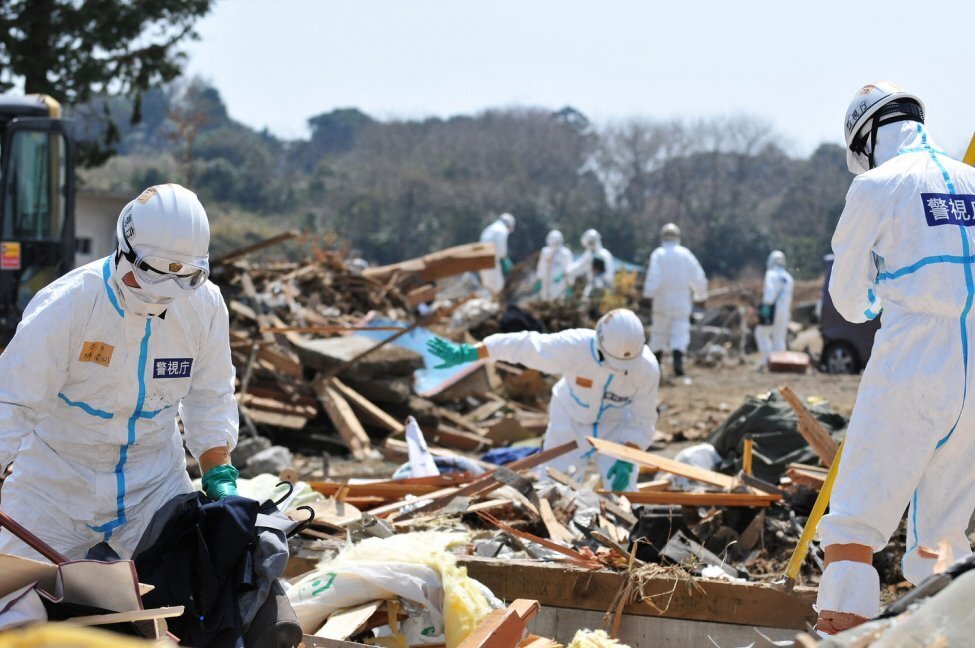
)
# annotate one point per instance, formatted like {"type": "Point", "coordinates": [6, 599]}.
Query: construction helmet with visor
{"type": "Point", "coordinates": [875, 105]}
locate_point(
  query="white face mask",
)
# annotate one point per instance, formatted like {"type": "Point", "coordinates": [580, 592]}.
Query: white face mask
{"type": "Point", "coordinates": [141, 301]}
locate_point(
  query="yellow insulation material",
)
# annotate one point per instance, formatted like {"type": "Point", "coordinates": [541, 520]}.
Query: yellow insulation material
{"type": "Point", "coordinates": [594, 639]}
{"type": "Point", "coordinates": [464, 605]}
{"type": "Point", "coordinates": [63, 635]}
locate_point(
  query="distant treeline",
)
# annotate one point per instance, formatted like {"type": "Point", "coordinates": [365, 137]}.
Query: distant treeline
{"type": "Point", "coordinates": [397, 189]}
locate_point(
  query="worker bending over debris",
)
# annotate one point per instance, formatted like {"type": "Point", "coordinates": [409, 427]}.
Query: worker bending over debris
{"type": "Point", "coordinates": [608, 387]}
{"type": "Point", "coordinates": [497, 233]}
{"type": "Point", "coordinates": [92, 381]}
{"type": "Point", "coordinates": [903, 246]}
{"type": "Point", "coordinates": [674, 277]}
{"type": "Point", "coordinates": [775, 311]}
{"type": "Point", "coordinates": [553, 267]}
{"type": "Point", "coordinates": [596, 264]}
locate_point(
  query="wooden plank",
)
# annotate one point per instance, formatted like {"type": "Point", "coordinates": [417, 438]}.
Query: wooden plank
{"type": "Point", "coordinates": [128, 617]}
{"type": "Point", "coordinates": [452, 437]}
{"type": "Point", "coordinates": [659, 462]}
{"type": "Point", "coordinates": [253, 247]}
{"type": "Point", "coordinates": [439, 265]}
{"type": "Point", "coordinates": [566, 586]}
{"type": "Point", "coordinates": [700, 499]}
{"type": "Point", "coordinates": [486, 411]}
{"type": "Point", "coordinates": [386, 489]}
{"type": "Point", "coordinates": [809, 476]}
{"type": "Point", "coordinates": [810, 429]}
{"type": "Point", "coordinates": [346, 622]}
{"type": "Point", "coordinates": [340, 413]}
{"type": "Point", "coordinates": [366, 407]}
{"type": "Point", "coordinates": [556, 530]}
{"type": "Point", "coordinates": [253, 402]}
{"type": "Point", "coordinates": [274, 419]}
{"type": "Point", "coordinates": [788, 362]}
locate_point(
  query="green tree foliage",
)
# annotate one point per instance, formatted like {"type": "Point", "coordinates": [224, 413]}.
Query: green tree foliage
{"type": "Point", "coordinates": [402, 188]}
{"type": "Point", "coordinates": [74, 49]}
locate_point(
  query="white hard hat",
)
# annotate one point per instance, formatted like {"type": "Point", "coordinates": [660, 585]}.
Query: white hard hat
{"type": "Point", "coordinates": [590, 239]}
{"type": "Point", "coordinates": [777, 257]}
{"type": "Point", "coordinates": [554, 239]}
{"type": "Point", "coordinates": [670, 232]}
{"type": "Point", "coordinates": [165, 235]}
{"type": "Point", "coordinates": [875, 105]}
{"type": "Point", "coordinates": [620, 336]}
{"type": "Point", "coordinates": [508, 220]}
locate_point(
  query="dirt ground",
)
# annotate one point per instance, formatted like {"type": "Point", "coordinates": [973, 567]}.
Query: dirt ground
{"type": "Point", "coordinates": [694, 406]}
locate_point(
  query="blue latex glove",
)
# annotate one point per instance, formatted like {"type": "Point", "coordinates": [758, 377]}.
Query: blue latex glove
{"type": "Point", "coordinates": [220, 482]}
{"type": "Point", "coordinates": [620, 473]}
{"type": "Point", "coordinates": [506, 265]}
{"type": "Point", "coordinates": [451, 354]}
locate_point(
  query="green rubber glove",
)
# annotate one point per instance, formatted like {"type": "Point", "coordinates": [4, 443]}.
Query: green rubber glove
{"type": "Point", "coordinates": [620, 473]}
{"type": "Point", "coordinates": [506, 265]}
{"type": "Point", "coordinates": [220, 481]}
{"type": "Point", "coordinates": [451, 354]}
{"type": "Point", "coordinates": [766, 313]}
{"type": "Point", "coordinates": [537, 286]}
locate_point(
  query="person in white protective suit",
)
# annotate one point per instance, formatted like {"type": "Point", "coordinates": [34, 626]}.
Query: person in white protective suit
{"type": "Point", "coordinates": [497, 233]}
{"type": "Point", "coordinates": [775, 311]}
{"type": "Point", "coordinates": [553, 267]}
{"type": "Point", "coordinates": [103, 360]}
{"type": "Point", "coordinates": [674, 277]}
{"type": "Point", "coordinates": [608, 387]}
{"type": "Point", "coordinates": [596, 264]}
{"type": "Point", "coordinates": [903, 245]}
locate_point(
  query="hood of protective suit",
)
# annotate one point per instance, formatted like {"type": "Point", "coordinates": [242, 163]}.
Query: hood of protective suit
{"type": "Point", "coordinates": [894, 137]}
{"type": "Point", "coordinates": [144, 301]}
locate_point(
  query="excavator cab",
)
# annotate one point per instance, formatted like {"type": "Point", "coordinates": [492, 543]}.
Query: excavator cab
{"type": "Point", "coordinates": [37, 184]}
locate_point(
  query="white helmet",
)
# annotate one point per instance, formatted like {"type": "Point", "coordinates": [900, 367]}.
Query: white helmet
{"type": "Point", "coordinates": [591, 240]}
{"type": "Point", "coordinates": [670, 232]}
{"type": "Point", "coordinates": [776, 258]}
{"type": "Point", "coordinates": [165, 236]}
{"type": "Point", "coordinates": [554, 239]}
{"type": "Point", "coordinates": [873, 106]}
{"type": "Point", "coordinates": [620, 337]}
{"type": "Point", "coordinates": [508, 220]}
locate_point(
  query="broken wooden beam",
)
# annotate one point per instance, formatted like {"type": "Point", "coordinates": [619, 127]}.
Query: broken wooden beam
{"type": "Point", "coordinates": [810, 429]}
{"type": "Point", "coordinates": [340, 413]}
{"type": "Point", "coordinates": [254, 247]}
{"type": "Point", "coordinates": [366, 407]}
{"type": "Point", "coordinates": [681, 498]}
{"type": "Point", "coordinates": [439, 265]}
{"type": "Point", "coordinates": [659, 462]}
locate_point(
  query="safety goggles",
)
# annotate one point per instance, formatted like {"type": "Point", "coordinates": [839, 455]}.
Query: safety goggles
{"type": "Point", "coordinates": [152, 266]}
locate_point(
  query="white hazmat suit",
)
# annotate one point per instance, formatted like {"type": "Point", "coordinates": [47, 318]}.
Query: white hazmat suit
{"type": "Point", "coordinates": [777, 292]}
{"type": "Point", "coordinates": [497, 234]}
{"type": "Point", "coordinates": [591, 398]}
{"type": "Point", "coordinates": [553, 267]}
{"type": "Point", "coordinates": [88, 405]}
{"type": "Point", "coordinates": [904, 244]}
{"type": "Point", "coordinates": [674, 277]}
{"type": "Point", "coordinates": [598, 266]}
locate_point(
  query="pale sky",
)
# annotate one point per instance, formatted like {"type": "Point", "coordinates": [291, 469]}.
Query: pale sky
{"type": "Point", "coordinates": [797, 64]}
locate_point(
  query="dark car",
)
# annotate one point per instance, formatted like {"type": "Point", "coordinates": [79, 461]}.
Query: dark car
{"type": "Point", "coordinates": [846, 346]}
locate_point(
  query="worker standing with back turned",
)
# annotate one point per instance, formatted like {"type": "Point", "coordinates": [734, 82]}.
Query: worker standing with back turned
{"type": "Point", "coordinates": [903, 245]}
{"type": "Point", "coordinates": [91, 383]}
{"type": "Point", "coordinates": [674, 277]}
{"type": "Point", "coordinates": [497, 233]}
{"type": "Point", "coordinates": [608, 387]}
{"type": "Point", "coordinates": [775, 311]}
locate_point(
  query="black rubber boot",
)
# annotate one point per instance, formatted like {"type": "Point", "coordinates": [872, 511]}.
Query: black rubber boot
{"type": "Point", "coordinates": [659, 355]}
{"type": "Point", "coordinates": [679, 363]}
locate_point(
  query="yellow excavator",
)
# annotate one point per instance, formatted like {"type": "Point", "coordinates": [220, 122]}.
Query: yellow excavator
{"type": "Point", "coordinates": [37, 198]}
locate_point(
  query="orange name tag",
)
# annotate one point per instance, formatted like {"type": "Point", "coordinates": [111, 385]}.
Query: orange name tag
{"type": "Point", "coordinates": [583, 382]}
{"type": "Point", "coordinates": [97, 352]}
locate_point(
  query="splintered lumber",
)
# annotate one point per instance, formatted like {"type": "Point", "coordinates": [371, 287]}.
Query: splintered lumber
{"type": "Point", "coordinates": [488, 482]}
{"type": "Point", "coordinates": [386, 489]}
{"type": "Point", "coordinates": [556, 530]}
{"type": "Point", "coordinates": [340, 413]}
{"type": "Point", "coordinates": [346, 622]}
{"type": "Point", "coordinates": [810, 429]}
{"type": "Point", "coordinates": [641, 458]}
{"type": "Point", "coordinates": [661, 594]}
{"type": "Point", "coordinates": [607, 498]}
{"type": "Point", "coordinates": [502, 628]}
{"type": "Point", "coordinates": [701, 499]}
{"type": "Point", "coordinates": [253, 247]}
{"type": "Point", "coordinates": [439, 265]}
{"type": "Point", "coordinates": [451, 437]}
{"type": "Point", "coordinates": [809, 476]}
{"type": "Point", "coordinates": [366, 407]}
{"type": "Point", "coordinates": [574, 556]}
